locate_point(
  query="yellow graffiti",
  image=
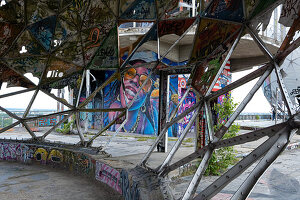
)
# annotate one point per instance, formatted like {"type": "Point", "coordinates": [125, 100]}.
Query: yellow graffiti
{"type": "Point", "coordinates": [55, 156]}
{"type": "Point", "coordinates": [41, 154]}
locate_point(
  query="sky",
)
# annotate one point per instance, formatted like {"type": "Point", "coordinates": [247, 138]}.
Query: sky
{"type": "Point", "coordinates": [258, 104]}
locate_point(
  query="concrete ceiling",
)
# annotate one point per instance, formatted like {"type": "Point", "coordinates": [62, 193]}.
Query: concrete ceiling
{"type": "Point", "coordinates": [246, 55]}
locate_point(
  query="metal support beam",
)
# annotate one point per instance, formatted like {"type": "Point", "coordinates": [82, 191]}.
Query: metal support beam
{"type": "Point", "coordinates": [117, 131]}
{"type": "Point", "coordinates": [178, 142]}
{"type": "Point", "coordinates": [49, 115]}
{"type": "Point", "coordinates": [189, 193]}
{"type": "Point", "coordinates": [17, 92]}
{"type": "Point", "coordinates": [197, 154]}
{"type": "Point", "coordinates": [174, 112]}
{"type": "Point", "coordinates": [224, 62]}
{"type": "Point", "coordinates": [219, 134]}
{"type": "Point", "coordinates": [58, 99]}
{"type": "Point", "coordinates": [30, 103]}
{"type": "Point", "coordinates": [81, 136]}
{"type": "Point", "coordinates": [9, 127]}
{"type": "Point", "coordinates": [56, 125]}
{"type": "Point", "coordinates": [10, 113]}
{"type": "Point", "coordinates": [253, 75]}
{"type": "Point", "coordinates": [260, 43]}
{"type": "Point", "coordinates": [249, 137]}
{"type": "Point", "coordinates": [198, 105]}
{"type": "Point", "coordinates": [238, 169]}
{"type": "Point", "coordinates": [289, 104]}
{"type": "Point", "coordinates": [89, 143]}
{"type": "Point", "coordinates": [108, 81]}
{"type": "Point", "coordinates": [262, 166]}
{"type": "Point", "coordinates": [209, 120]}
{"type": "Point", "coordinates": [29, 130]}
{"type": "Point", "coordinates": [80, 88]}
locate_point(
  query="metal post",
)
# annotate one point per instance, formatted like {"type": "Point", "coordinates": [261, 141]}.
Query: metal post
{"type": "Point", "coordinates": [80, 89]}
{"type": "Point", "coordinates": [162, 115]}
{"type": "Point", "coordinates": [276, 106]}
{"type": "Point", "coordinates": [87, 94]}
{"type": "Point", "coordinates": [58, 104]}
{"type": "Point", "coordinates": [275, 24]}
{"type": "Point", "coordinates": [193, 8]}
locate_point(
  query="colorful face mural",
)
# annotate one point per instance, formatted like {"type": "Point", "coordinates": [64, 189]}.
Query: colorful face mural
{"type": "Point", "coordinates": [142, 116]}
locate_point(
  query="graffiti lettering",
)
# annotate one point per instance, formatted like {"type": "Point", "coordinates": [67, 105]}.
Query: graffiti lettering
{"type": "Point", "coordinates": [51, 121]}
{"type": "Point", "coordinates": [94, 38]}
{"type": "Point", "coordinates": [296, 91]}
{"type": "Point", "coordinates": [109, 176]}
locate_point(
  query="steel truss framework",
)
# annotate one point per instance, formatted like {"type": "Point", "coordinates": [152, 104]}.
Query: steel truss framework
{"type": "Point", "coordinates": [278, 135]}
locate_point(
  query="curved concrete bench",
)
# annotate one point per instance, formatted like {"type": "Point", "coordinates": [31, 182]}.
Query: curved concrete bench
{"type": "Point", "coordinates": [133, 183]}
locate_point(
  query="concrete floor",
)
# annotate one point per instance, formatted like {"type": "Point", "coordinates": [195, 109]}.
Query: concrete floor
{"type": "Point", "coordinates": [129, 148]}
{"type": "Point", "coordinates": [32, 182]}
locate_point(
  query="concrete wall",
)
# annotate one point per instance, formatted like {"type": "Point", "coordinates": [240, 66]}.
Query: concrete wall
{"type": "Point", "coordinates": [80, 163]}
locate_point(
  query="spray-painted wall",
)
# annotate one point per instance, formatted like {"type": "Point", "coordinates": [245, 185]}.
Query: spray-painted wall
{"type": "Point", "coordinates": [77, 162]}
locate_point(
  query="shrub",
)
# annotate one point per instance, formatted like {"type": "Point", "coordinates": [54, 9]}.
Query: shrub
{"type": "Point", "coordinates": [67, 127]}
{"type": "Point", "coordinates": [222, 158]}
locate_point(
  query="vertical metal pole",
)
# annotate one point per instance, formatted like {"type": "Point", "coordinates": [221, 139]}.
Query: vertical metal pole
{"type": "Point", "coordinates": [193, 8]}
{"type": "Point", "coordinates": [71, 101]}
{"type": "Point", "coordinates": [87, 94]}
{"type": "Point", "coordinates": [276, 106]}
{"type": "Point", "coordinates": [162, 115]}
{"type": "Point", "coordinates": [62, 105]}
{"type": "Point", "coordinates": [58, 105]}
{"type": "Point", "coordinates": [275, 24]}
{"type": "Point", "coordinates": [80, 89]}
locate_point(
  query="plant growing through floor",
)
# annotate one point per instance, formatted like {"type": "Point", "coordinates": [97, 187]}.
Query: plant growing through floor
{"type": "Point", "coordinates": [67, 127]}
{"type": "Point", "coordinates": [222, 158]}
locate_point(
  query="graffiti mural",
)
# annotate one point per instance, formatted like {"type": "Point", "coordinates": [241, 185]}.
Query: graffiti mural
{"type": "Point", "coordinates": [13, 152]}
{"type": "Point", "coordinates": [109, 176]}
{"type": "Point", "coordinates": [211, 35]}
{"type": "Point", "coordinates": [49, 121]}
{"type": "Point", "coordinates": [76, 162]}
{"type": "Point", "coordinates": [143, 113]}
{"type": "Point", "coordinates": [289, 12]}
{"type": "Point", "coordinates": [188, 102]}
{"type": "Point", "coordinates": [226, 10]}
